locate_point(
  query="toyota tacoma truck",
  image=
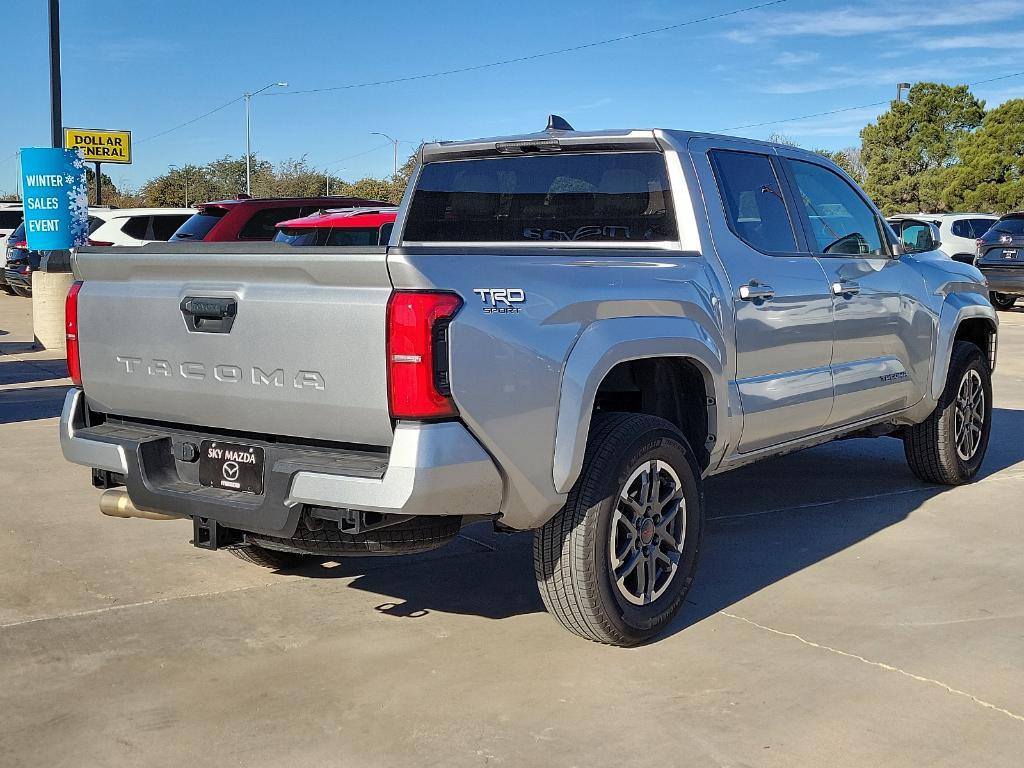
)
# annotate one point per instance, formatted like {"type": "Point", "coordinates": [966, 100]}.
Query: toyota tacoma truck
{"type": "Point", "coordinates": [568, 332]}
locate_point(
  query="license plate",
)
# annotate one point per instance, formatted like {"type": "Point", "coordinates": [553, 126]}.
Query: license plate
{"type": "Point", "coordinates": [1010, 253]}
{"type": "Point", "coordinates": [232, 466]}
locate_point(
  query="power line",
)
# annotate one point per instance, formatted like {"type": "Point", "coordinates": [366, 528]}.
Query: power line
{"type": "Point", "coordinates": [851, 109]}
{"type": "Point", "coordinates": [489, 65]}
{"type": "Point", "coordinates": [193, 120]}
{"type": "Point", "coordinates": [358, 154]}
{"type": "Point", "coordinates": [534, 56]}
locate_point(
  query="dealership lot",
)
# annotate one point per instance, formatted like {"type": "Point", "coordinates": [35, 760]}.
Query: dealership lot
{"type": "Point", "coordinates": [844, 614]}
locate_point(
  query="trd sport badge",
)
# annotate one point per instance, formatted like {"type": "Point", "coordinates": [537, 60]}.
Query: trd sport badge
{"type": "Point", "coordinates": [501, 301]}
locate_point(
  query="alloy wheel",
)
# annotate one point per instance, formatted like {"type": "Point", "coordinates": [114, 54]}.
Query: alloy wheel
{"type": "Point", "coordinates": [647, 531]}
{"type": "Point", "coordinates": [969, 416]}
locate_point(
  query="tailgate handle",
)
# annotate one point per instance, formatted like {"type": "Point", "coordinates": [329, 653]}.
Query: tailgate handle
{"type": "Point", "coordinates": [208, 314]}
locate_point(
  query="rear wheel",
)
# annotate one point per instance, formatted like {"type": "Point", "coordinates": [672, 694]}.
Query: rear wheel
{"type": "Point", "coordinates": [615, 563]}
{"type": "Point", "coordinates": [949, 446]}
{"type": "Point", "coordinates": [1002, 301]}
{"type": "Point", "coordinates": [269, 558]}
{"type": "Point", "coordinates": [25, 293]}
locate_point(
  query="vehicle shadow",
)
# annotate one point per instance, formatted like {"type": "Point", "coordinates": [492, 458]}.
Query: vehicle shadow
{"type": "Point", "coordinates": [766, 522]}
{"type": "Point", "coordinates": [24, 372]}
{"type": "Point", "coordinates": [31, 403]}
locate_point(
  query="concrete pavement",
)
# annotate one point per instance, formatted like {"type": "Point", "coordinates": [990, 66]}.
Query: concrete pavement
{"type": "Point", "coordinates": [844, 615]}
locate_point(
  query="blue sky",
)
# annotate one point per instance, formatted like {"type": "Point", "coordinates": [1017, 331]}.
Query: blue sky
{"type": "Point", "coordinates": [148, 65]}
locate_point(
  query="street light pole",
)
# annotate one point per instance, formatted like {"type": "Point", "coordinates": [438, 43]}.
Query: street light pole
{"type": "Point", "coordinates": [248, 147]}
{"type": "Point", "coordinates": [394, 141]}
{"type": "Point", "coordinates": [56, 120]}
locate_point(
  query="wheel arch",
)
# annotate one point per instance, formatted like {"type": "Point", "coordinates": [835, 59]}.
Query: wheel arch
{"type": "Point", "coordinates": [963, 319]}
{"type": "Point", "coordinates": [687, 349]}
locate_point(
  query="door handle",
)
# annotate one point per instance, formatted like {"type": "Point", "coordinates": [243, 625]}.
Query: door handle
{"type": "Point", "coordinates": [209, 315]}
{"type": "Point", "coordinates": [845, 288]}
{"type": "Point", "coordinates": [756, 291]}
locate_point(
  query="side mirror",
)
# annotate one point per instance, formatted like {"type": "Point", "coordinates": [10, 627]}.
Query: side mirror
{"type": "Point", "coordinates": [920, 237]}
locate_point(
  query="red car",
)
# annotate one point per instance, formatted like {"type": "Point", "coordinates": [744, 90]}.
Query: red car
{"type": "Point", "coordinates": [254, 219]}
{"type": "Point", "coordinates": [355, 226]}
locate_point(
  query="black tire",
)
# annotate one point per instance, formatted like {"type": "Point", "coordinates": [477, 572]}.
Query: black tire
{"type": "Point", "coordinates": [418, 534]}
{"type": "Point", "coordinates": [1002, 301]}
{"type": "Point", "coordinates": [572, 551]}
{"type": "Point", "coordinates": [25, 293]}
{"type": "Point", "coordinates": [7, 289]}
{"type": "Point", "coordinates": [931, 446]}
{"type": "Point", "coordinates": [269, 558]}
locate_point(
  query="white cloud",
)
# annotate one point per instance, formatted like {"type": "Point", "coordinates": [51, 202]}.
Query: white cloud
{"type": "Point", "coordinates": [957, 42]}
{"type": "Point", "coordinates": [795, 59]}
{"type": "Point", "coordinates": [871, 19]}
{"type": "Point", "coordinates": [833, 78]}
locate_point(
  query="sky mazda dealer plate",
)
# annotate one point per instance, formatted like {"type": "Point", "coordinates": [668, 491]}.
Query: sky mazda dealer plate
{"type": "Point", "coordinates": [231, 465]}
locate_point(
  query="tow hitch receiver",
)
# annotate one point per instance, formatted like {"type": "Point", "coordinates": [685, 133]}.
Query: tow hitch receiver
{"type": "Point", "coordinates": [207, 534]}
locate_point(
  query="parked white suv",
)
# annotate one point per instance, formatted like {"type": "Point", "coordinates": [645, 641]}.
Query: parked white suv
{"type": "Point", "coordinates": [135, 226]}
{"type": "Point", "coordinates": [10, 217]}
{"type": "Point", "coordinates": [958, 231]}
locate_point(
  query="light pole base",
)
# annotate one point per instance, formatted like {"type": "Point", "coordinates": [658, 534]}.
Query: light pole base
{"type": "Point", "coordinates": [49, 290]}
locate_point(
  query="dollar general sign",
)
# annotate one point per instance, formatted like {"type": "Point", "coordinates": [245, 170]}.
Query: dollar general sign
{"type": "Point", "coordinates": [100, 146]}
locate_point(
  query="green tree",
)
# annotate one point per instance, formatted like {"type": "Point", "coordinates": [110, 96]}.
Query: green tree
{"type": "Point", "coordinates": [108, 188]}
{"type": "Point", "coordinates": [908, 153]}
{"type": "Point", "coordinates": [990, 175]}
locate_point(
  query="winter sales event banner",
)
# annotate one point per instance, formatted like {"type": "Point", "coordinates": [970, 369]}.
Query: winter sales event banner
{"type": "Point", "coordinates": [56, 198]}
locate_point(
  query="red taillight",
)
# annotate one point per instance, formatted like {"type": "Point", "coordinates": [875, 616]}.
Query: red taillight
{"type": "Point", "coordinates": [104, 243]}
{"type": "Point", "coordinates": [417, 349]}
{"type": "Point", "coordinates": [71, 328]}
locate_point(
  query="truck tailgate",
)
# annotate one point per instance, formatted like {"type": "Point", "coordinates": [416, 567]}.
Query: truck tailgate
{"type": "Point", "coordinates": [299, 349]}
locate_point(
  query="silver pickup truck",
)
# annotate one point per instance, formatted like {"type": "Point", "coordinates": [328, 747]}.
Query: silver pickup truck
{"type": "Point", "coordinates": [567, 333]}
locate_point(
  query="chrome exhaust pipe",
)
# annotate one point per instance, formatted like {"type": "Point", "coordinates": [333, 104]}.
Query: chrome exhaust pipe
{"type": "Point", "coordinates": [116, 503]}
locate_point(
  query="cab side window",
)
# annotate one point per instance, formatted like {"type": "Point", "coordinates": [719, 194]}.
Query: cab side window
{"type": "Point", "coordinates": [753, 199]}
{"type": "Point", "coordinates": [842, 223]}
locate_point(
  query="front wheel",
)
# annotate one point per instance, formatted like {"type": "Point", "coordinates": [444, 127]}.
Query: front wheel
{"type": "Point", "coordinates": [615, 563]}
{"type": "Point", "coordinates": [1002, 301]}
{"type": "Point", "coordinates": [949, 446]}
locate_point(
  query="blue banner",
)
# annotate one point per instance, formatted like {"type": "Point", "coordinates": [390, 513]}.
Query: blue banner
{"type": "Point", "coordinates": [56, 196]}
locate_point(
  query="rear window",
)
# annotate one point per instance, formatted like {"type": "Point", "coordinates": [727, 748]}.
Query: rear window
{"type": "Point", "coordinates": [198, 226]}
{"type": "Point", "coordinates": [1013, 225]}
{"type": "Point", "coordinates": [971, 228]}
{"type": "Point", "coordinates": [10, 219]}
{"type": "Point", "coordinates": [613, 197]}
{"type": "Point", "coordinates": [137, 227]}
{"type": "Point", "coordinates": [354, 236]}
{"type": "Point", "coordinates": [301, 236]}
{"type": "Point", "coordinates": [165, 225]}
{"type": "Point", "coordinates": [331, 235]}
{"type": "Point", "coordinates": [263, 223]}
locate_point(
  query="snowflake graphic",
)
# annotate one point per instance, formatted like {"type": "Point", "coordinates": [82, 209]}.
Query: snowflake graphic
{"type": "Point", "coordinates": [78, 197]}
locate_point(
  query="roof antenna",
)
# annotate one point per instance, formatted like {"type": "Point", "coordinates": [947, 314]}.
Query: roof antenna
{"type": "Point", "coordinates": [557, 123]}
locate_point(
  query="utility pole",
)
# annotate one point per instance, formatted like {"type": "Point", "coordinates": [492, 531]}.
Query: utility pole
{"type": "Point", "coordinates": [56, 119]}
{"type": "Point", "coordinates": [248, 147]}
{"type": "Point", "coordinates": [394, 141]}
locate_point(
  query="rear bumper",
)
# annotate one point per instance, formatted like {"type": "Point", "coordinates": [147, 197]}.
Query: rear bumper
{"type": "Point", "coordinates": [14, 278]}
{"type": "Point", "coordinates": [1006, 280]}
{"type": "Point", "coordinates": [432, 469]}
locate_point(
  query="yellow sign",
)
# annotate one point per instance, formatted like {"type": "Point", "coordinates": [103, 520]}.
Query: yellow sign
{"type": "Point", "coordinates": [100, 146]}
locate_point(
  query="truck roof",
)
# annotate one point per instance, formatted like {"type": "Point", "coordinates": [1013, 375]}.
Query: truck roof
{"type": "Point", "coordinates": [636, 139]}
